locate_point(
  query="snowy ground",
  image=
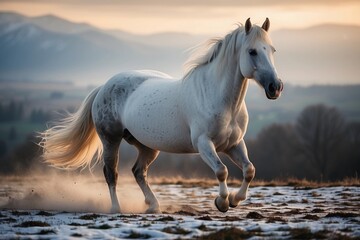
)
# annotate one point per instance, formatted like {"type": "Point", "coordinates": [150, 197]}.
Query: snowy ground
{"type": "Point", "coordinates": [33, 209]}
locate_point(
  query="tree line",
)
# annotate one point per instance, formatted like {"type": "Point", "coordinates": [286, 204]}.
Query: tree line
{"type": "Point", "coordinates": [12, 115]}
{"type": "Point", "coordinates": [320, 145]}
{"type": "Point", "coordinates": [15, 111]}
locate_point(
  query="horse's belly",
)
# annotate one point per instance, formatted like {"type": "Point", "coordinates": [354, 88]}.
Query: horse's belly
{"type": "Point", "coordinates": [159, 130]}
{"type": "Point", "coordinates": [153, 117]}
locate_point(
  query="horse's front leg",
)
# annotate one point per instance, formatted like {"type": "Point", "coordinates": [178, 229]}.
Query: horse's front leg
{"type": "Point", "coordinates": [208, 153]}
{"type": "Point", "coordinates": [239, 156]}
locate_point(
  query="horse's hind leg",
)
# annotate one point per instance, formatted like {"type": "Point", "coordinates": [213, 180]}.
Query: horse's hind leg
{"type": "Point", "coordinates": [111, 144]}
{"type": "Point", "coordinates": [111, 152]}
{"type": "Point", "coordinates": [145, 158]}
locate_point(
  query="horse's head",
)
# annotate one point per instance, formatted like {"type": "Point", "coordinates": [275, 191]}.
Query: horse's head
{"type": "Point", "coordinates": [256, 59]}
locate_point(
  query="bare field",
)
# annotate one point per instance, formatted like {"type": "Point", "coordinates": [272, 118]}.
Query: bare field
{"type": "Point", "coordinates": [59, 207]}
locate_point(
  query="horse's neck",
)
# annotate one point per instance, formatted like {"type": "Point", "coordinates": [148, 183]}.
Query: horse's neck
{"type": "Point", "coordinates": [233, 86]}
{"type": "Point", "coordinates": [227, 89]}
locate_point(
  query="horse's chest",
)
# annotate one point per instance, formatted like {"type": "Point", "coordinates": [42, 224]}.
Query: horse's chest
{"type": "Point", "coordinates": [227, 130]}
{"type": "Point", "coordinates": [226, 136]}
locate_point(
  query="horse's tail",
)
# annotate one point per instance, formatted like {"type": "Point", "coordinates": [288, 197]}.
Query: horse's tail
{"type": "Point", "coordinates": [73, 142]}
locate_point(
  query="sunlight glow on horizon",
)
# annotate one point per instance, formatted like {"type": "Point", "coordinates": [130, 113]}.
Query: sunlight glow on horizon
{"type": "Point", "coordinates": [195, 19]}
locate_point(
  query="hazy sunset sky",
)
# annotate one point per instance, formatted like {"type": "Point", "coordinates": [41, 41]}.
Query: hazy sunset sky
{"type": "Point", "coordinates": [204, 16]}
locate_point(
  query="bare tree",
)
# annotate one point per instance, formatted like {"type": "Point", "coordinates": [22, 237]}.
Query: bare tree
{"type": "Point", "coordinates": [320, 130]}
{"type": "Point", "coordinates": [272, 151]}
{"type": "Point", "coordinates": [353, 133]}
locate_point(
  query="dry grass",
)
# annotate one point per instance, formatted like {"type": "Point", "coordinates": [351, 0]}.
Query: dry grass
{"type": "Point", "coordinates": [301, 183]}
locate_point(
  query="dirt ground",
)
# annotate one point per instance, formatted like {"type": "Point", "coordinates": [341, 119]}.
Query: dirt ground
{"type": "Point", "coordinates": [76, 208]}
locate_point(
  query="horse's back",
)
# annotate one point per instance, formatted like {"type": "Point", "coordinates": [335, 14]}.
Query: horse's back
{"type": "Point", "coordinates": [111, 99]}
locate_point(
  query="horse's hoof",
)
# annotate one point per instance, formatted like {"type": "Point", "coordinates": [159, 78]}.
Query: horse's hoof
{"type": "Point", "coordinates": [153, 211]}
{"type": "Point", "coordinates": [114, 210]}
{"type": "Point", "coordinates": [221, 204]}
{"type": "Point", "coordinates": [232, 203]}
{"type": "Point", "coordinates": [232, 206]}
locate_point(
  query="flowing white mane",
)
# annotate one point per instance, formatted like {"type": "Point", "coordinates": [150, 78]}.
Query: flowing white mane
{"type": "Point", "coordinates": [223, 48]}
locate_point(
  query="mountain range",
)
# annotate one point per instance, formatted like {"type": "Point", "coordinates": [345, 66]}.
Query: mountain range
{"type": "Point", "coordinates": [49, 48]}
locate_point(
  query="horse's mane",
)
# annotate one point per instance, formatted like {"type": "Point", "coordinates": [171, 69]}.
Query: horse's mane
{"type": "Point", "coordinates": [219, 48]}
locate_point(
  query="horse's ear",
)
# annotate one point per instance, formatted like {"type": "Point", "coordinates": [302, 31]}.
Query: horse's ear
{"type": "Point", "coordinates": [266, 24]}
{"type": "Point", "coordinates": [247, 26]}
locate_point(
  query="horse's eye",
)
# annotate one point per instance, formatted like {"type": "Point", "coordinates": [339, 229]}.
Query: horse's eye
{"type": "Point", "coordinates": [252, 52]}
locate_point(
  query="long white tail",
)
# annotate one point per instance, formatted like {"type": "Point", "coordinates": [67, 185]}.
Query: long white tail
{"type": "Point", "coordinates": [73, 142]}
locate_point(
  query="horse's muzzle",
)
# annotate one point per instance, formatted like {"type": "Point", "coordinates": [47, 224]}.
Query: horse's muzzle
{"type": "Point", "coordinates": [274, 89]}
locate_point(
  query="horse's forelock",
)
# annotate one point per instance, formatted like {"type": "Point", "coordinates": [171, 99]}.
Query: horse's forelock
{"type": "Point", "coordinates": [256, 34]}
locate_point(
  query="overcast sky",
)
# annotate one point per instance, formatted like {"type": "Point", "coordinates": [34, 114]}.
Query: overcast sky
{"type": "Point", "coordinates": [193, 16]}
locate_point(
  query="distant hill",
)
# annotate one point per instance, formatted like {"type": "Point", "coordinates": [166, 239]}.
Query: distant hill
{"type": "Point", "coordinates": [60, 25]}
{"type": "Point", "coordinates": [49, 48]}
{"type": "Point", "coordinates": [47, 22]}
{"type": "Point", "coordinates": [52, 48]}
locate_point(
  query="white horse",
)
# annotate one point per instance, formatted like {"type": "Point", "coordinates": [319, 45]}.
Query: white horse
{"type": "Point", "coordinates": [204, 112]}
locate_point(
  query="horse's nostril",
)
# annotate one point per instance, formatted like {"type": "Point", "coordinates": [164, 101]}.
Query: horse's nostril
{"type": "Point", "coordinates": [271, 88]}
